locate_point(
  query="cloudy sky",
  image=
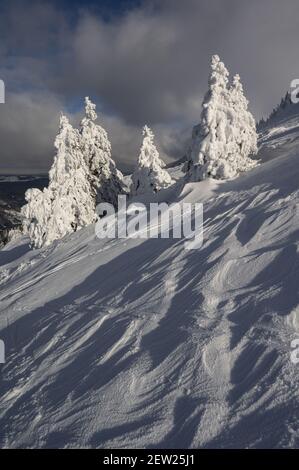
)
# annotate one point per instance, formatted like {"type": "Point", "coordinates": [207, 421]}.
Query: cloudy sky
{"type": "Point", "coordinates": [141, 61]}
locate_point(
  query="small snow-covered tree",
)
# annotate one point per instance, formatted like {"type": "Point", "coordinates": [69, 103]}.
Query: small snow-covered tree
{"type": "Point", "coordinates": [67, 204]}
{"type": "Point", "coordinates": [105, 179]}
{"type": "Point", "coordinates": [36, 214]}
{"type": "Point", "coordinates": [149, 175]}
{"type": "Point", "coordinates": [226, 136]}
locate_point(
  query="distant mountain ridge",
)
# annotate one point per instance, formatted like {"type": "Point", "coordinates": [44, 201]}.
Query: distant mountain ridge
{"type": "Point", "coordinates": [13, 178]}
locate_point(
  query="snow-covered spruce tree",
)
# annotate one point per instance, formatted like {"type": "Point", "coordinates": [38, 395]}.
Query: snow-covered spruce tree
{"type": "Point", "coordinates": [227, 134]}
{"type": "Point", "coordinates": [67, 204]}
{"type": "Point", "coordinates": [36, 214]}
{"type": "Point", "coordinates": [73, 204]}
{"type": "Point", "coordinates": [244, 128]}
{"type": "Point", "coordinates": [149, 175]}
{"type": "Point", "coordinates": [193, 149]}
{"type": "Point", "coordinates": [105, 179]}
{"type": "Point", "coordinates": [208, 146]}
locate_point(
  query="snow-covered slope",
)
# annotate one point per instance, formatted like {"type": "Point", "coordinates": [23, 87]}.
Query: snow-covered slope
{"type": "Point", "coordinates": [279, 134]}
{"type": "Point", "coordinates": [279, 140]}
{"type": "Point", "coordinates": [140, 343]}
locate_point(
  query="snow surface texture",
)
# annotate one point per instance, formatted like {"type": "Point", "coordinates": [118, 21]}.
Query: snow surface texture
{"type": "Point", "coordinates": [140, 343]}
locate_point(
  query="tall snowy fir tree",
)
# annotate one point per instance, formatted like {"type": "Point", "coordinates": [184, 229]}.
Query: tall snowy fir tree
{"type": "Point", "coordinates": [149, 175]}
{"type": "Point", "coordinates": [67, 204]}
{"type": "Point", "coordinates": [105, 179]}
{"type": "Point", "coordinates": [73, 204]}
{"type": "Point", "coordinates": [226, 134]}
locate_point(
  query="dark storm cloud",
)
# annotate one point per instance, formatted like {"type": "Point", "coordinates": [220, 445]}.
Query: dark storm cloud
{"type": "Point", "coordinates": [28, 124]}
{"type": "Point", "coordinates": [147, 65]}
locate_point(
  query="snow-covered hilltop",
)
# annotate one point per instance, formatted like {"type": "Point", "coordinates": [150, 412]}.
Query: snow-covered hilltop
{"type": "Point", "coordinates": [140, 343]}
{"type": "Point", "coordinates": [279, 134]}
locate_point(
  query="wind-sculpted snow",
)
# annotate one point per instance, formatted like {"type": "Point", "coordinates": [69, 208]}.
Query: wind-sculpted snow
{"type": "Point", "coordinates": [141, 343]}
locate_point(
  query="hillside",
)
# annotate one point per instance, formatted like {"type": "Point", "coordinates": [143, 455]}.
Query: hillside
{"type": "Point", "coordinates": [141, 343]}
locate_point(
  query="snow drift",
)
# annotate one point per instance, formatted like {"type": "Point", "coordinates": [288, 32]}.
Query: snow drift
{"type": "Point", "coordinates": [140, 343]}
